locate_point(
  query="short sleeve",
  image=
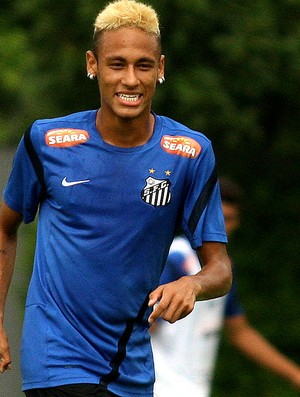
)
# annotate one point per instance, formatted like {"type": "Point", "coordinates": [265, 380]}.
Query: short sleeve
{"type": "Point", "coordinates": [203, 216]}
{"type": "Point", "coordinates": [23, 191]}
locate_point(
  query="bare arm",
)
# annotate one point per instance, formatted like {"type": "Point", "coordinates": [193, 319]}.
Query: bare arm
{"type": "Point", "coordinates": [251, 343]}
{"type": "Point", "coordinates": [176, 300]}
{"type": "Point", "coordinates": [9, 223]}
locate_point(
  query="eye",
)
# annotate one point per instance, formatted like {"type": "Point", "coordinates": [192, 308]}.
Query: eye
{"type": "Point", "coordinates": [145, 66]}
{"type": "Point", "coordinates": [116, 65]}
{"type": "Point", "coordinates": [115, 62]}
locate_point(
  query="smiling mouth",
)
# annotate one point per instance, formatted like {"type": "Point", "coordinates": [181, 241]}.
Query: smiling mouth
{"type": "Point", "coordinates": [129, 98]}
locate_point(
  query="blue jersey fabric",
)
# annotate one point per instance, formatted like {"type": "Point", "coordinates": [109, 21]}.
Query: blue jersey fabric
{"type": "Point", "coordinates": [107, 217]}
{"type": "Point", "coordinates": [233, 306]}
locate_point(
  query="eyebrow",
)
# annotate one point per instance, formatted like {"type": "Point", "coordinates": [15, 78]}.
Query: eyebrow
{"type": "Point", "coordinates": [122, 59]}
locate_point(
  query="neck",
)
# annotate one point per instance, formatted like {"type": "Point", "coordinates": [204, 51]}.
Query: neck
{"type": "Point", "coordinates": [125, 132]}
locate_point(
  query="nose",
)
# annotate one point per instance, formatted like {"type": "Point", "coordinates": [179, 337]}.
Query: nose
{"type": "Point", "coordinates": [130, 77]}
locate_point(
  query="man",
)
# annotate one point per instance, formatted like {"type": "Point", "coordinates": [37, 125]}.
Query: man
{"type": "Point", "coordinates": [185, 353]}
{"type": "Point", "coordinates": [111, 186]}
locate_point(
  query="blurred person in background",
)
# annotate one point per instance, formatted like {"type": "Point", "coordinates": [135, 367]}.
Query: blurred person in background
{"type": "Point", "coordinates": [185, 352]}
{"type": "Point", "coordinates": [110, 187]}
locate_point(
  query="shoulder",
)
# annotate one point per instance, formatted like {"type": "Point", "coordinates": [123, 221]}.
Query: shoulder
{"type": "Point", "coordinates": [177, 129]}
{"type": "Point", "coordinates": [177, 138]}
{"type": "Point", "coordinates": [78, 117]}
{"type": "Point", "coordinates": [53, 130]}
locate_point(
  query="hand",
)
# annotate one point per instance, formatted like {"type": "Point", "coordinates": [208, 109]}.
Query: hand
{"type": "Point", "coordinates": [5, 358]}
{"type": "Point", "coordinates": [173, 301]}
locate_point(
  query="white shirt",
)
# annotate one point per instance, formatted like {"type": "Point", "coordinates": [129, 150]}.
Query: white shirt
{"type": "Point", "coordinates": [185, 352]}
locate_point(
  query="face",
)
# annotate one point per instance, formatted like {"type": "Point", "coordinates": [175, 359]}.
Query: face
{"type": "Point", "coordinates": [232, 217]}
{"type": "Point", "coordinates": [128, 65]}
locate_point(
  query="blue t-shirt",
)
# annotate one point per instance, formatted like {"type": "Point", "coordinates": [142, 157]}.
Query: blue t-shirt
{"type": "Point", "coordinates": [107, 217]}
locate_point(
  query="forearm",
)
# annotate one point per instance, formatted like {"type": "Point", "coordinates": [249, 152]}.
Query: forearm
{"type": "Point", "coordinates": [9, 224]}
{"type": "Point", "coordinates": [7, 260]}
{"type": "Point", "coordinates": [215, 277]}
{"type": "Point", "coordinates": [255, 346]}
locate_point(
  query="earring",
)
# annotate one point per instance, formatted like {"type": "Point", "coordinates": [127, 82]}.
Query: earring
{"type": "Point", "coordinates": [161, 80]}
{"type": "Point", "coordinates": [91, 76]}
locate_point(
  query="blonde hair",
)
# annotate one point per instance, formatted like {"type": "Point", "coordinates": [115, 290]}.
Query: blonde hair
{"type": "Point", "coordinates": [126, 13]}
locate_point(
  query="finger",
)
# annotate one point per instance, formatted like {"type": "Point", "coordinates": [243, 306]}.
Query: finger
{"type": "Point", "coordinates": [177, 309]}
{"type": "Point", "coordinates": [153, 301]}
{"type": "Point", "coordinates": [176, 315]}
{"type": "Point", "coordinates": [5, 363]}
{"type": "Point", "coordinates": [154, 297]}
{"type": "Point", "coordinates": [170, 313]}
{"type": "Point", "coordinates": [3, 368]}
{"type": "Point", "coordinates": [156, 313]}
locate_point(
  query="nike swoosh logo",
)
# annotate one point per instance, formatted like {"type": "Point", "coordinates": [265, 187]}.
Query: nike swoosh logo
{"type": "Point", "coordinates": [65, 183]}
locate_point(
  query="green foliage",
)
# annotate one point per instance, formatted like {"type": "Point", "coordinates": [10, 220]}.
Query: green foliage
{"type": "Point", "coordinates": [42, 57]}
{"type": "Point", "coordinates": [232, 72]}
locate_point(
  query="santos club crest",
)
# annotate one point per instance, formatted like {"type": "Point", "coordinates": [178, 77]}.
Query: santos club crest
{"type": "Point", "coordinates": [156, 192]}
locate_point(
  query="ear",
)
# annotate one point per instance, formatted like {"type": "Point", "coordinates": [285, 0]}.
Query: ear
{"type": "Point", "coordinates": [161, 67]}
{"type": "Point", "coordinates": [91, 63]}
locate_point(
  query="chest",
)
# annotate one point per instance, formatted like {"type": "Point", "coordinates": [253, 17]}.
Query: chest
{"type": "Point", "coordinates": [86, 176]}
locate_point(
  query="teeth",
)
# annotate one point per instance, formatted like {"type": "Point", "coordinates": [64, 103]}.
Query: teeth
{"type": "Point", "coordinates": [129, 98]}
